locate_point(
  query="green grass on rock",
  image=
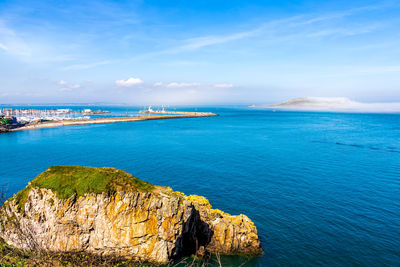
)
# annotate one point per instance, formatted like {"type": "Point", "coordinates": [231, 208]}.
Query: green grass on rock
{"type": "Point", "coordinates": [66, 181]}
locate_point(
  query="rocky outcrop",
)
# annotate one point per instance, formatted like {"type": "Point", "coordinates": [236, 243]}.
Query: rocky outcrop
{"type": "Point", "coordinates": [135, 221]}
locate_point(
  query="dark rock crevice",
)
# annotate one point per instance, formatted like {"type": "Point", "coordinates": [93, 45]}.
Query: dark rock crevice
{"type": "Point", "coordinates": [195, 234]}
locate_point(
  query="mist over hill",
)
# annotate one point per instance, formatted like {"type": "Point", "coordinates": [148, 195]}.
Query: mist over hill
{"type": "Point", "coordinates": [332, 104]}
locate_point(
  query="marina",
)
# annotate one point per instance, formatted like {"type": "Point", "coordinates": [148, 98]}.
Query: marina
{"type": "Point", "coordinates": [25, 115]}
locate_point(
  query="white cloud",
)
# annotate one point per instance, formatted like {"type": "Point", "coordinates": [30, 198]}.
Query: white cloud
{"type": "Point", "coordinates": [180, 85]}
{"type": "Point", "coordinates": [158, 84]}
{"type": "Point", "coordinates": [129, 82]}
{"type": "Point", "coordinates": [223, 85]}
{"type": "Point", "coordinates": [62, 82]}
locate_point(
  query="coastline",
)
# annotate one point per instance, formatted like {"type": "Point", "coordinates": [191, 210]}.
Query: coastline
{"type": "Point", "coordinates": [114, 119]}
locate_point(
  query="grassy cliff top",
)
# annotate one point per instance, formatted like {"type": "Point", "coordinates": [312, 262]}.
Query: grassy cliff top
{"type": "Point", "coordinates": [66, 181]}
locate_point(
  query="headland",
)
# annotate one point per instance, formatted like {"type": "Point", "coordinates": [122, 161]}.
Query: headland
{"type": "Point", "coordinates": [108, 212]}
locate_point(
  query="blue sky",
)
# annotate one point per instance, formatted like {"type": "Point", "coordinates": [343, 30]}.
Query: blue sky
{"type": "Point", "coordinates": [198, 52]}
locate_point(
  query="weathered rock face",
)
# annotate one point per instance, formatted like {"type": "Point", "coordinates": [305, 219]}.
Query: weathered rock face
{"type": "Point", "coordinates": [155, 226]}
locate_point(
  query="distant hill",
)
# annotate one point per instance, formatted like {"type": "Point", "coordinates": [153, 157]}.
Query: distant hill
{"type": "Point", "coordinates": [317, 102]}
{"type": "Point", "coordinates": [332, 104]}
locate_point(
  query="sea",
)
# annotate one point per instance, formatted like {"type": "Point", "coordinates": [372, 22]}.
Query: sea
{"type": "Point", "coordinates": [322, 188]}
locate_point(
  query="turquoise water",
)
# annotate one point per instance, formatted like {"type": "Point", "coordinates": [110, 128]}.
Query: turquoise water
{"type": "Point", "coordinates": [322, 188]}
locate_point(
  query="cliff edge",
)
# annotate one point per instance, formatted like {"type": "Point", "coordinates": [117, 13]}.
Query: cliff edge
{"type": "Point", "coordinates": [106, 211]}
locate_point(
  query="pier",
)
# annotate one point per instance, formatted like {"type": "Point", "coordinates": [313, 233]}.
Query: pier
{"type": "Point", "coordinates": [112, 119]}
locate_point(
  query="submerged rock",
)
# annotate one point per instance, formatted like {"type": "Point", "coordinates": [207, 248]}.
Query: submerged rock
{"type": "Point", "coordinates": [106, 211]}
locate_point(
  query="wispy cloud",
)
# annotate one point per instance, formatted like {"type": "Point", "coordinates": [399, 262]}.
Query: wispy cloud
{"type": "Point", "coordinates": [181, 85]}
{"type": "Point", "coordinates": [339, 14]}
{"type": "Point", "coordinates": [356, 71]}
{"type": "Point", "coordinates": [379, 69]}
{"type": "Point", "coordinates": [192, 85]}
{"type": "Point", "coordinates": [12, 43]}
{"type": "Point", "coordinates": [345, 32]}
{"type": "Point", "coordinates": [68, 87]}
{"type": "Point", "coordinates": [3, 47]}
{"type": "Point", "coordinates": [223, 85]}
{"type": "Point", "coordinates": [199, 42]}
{"type": "Point", "coordinates": [304, 26]}
{"type": "Point", "coordinates": [65, 89]}
{"type": "Point", "coordinates": [185, 63]}
{"type": "Point", "coordinates": [29, 50]}
{"type": "Point", "coordinates": [210, 40]}
{"type": "Point", "coordinates": [86, 66]}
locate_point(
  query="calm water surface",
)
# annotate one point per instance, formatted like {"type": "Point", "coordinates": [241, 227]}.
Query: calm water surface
{"type": "Point", "coordinates": [322, 188]}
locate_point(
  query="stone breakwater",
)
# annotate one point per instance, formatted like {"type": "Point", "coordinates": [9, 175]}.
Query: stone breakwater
{"type": "Point", "coordinates": [111, 119]}
{"type": "Point", "coordinates": [157, 225]}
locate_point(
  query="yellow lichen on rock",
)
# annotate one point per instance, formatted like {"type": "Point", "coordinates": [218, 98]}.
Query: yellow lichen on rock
{"type": "Point", "coordinates": [199, 200]}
